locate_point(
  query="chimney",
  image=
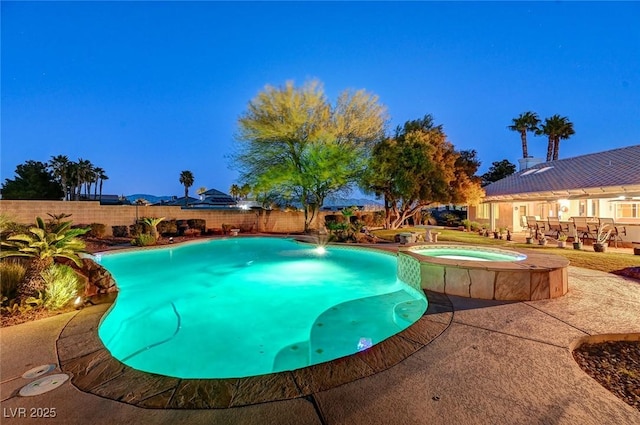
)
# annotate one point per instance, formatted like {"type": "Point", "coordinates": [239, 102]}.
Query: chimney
{"type": "Point", "coordinates": [529, 162]}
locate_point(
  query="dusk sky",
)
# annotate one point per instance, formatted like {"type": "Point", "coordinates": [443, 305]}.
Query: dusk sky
{"type": "Point", "coordinates": [146, 90]}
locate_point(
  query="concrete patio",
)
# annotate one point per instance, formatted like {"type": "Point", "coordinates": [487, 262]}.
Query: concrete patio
{"type": "Point", "coordinates": [494, 363]}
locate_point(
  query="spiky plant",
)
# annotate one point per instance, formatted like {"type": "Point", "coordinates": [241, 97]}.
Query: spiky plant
{"type": "Point", "coordinates": [152, 222]}
{"type": "Point", "coordinates": [43, 245]}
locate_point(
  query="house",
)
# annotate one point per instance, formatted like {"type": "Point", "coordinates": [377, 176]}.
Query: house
{"type": "Point", "coordinates": [213, 198]}
{"type": "Point", "coordinates": [176, 201]}
{"type": "Point", "coordinates": [602, 184]}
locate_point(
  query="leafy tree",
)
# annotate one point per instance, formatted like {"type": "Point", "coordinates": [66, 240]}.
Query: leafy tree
{"type": "Point", "coordinates": [293, 141]}
{"type": "Point", "coordinates": [186, 179]}
{"type": "Point", "coordinates": [555, 128]}
{"type": "Point", "coordinates": [498, 171]}
{"type": "Point", "coordinates": [32, 181]}
{"type": "Point", "coordinates": [466, 188]}
{"type": "Point", "coordinates": [419, 167]}
{"type": "Point", "coordinates": [43, 245]}
{"type": "Point", "coordinates": [527, 121]}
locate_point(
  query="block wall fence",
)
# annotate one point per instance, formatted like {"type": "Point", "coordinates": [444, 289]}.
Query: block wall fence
{"type": "Point", "coordinates": [87, 212]}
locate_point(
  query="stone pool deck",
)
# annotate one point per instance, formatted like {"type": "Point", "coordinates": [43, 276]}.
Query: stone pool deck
{"type": "Point", "coordinates": [469, 362]}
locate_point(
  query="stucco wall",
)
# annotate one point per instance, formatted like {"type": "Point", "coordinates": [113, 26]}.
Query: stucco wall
{"type": "Point", "coordinates": [87, 212]}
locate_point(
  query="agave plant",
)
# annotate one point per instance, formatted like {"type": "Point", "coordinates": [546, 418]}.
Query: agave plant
{"type": "Point", "coordinates": [43, 245]}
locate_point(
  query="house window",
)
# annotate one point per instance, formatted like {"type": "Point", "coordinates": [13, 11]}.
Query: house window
{"type": "Point", "coordinates": [483, 210]}
{"type": "Point", "coordinates": [628, 210]}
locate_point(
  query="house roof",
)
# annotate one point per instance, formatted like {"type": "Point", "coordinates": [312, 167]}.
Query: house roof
{"type": "Point", "coordinates": [598, 175]}
{"type": "Point", "coordinates": [215, 197]}
{"type": "Point", "coordinates": [176, 201]}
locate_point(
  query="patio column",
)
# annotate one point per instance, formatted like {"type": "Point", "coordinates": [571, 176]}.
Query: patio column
{"type": "Point", "coordinates": [492, 216]}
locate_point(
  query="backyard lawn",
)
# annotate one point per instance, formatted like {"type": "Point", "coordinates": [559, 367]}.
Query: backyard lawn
{"type": "Point", "coordinates": [586, 258]}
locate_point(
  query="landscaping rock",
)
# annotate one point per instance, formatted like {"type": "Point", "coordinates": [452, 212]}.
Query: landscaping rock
{"type": "Point", "coordinates": [97, 279]}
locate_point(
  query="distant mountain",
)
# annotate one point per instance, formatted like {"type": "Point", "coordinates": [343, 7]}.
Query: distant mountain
{"type": "Point", "coordinates": [150, 198]}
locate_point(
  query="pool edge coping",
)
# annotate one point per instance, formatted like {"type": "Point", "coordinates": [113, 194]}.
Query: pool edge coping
{"type": "Point", "coordinates": [93, 370]}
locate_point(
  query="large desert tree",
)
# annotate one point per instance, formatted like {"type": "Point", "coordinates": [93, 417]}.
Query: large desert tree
{"type": "Point", "coordinates": [419, 167]}
{"type": "Point", "coordinates": [293, 141]}
{"type": "Point", "coordinates": [186, 179]}
{"type": "Point", "coordinates": [527, 121]}
{"type": "Point", "coordinates": [32, 181]}
{"type": "Point", "coordinates": [555, 128]}
{"type": "Point", "coordinates": [498, 171]}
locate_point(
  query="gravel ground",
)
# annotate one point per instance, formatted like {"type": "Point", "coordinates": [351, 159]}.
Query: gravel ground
{"type": "Point", "coordinates": [615, 365]}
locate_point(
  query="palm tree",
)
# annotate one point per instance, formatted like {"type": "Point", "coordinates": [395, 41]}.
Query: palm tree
{"type": "Point", "coordinates": [186, 178]}
{"type": "Point", "coordinates": [245, 190]}
{"type": "Point", "coordinates": [234, 191]}
{"type": "Point", "coordinates": [527, 121]}
{"type": "Point", "coordinates": [86, 175]}
{"type": "Point", "coordinates": [73, 181]}
{"type": "Point", "coordinates": [555, 128]}
{"type": "Point", "coordinates": [567, 131]}
{"type": "Point", "coordinates": [43, 245]}
{"type": "Point", "coordinates": [101, 178]}
{"type": "Point", "coordinates": [59, 166]}
{"type": "Point", "coordinates": [83, 175]}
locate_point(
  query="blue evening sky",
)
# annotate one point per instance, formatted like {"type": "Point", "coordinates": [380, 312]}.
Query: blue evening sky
{"type": "Point", "coordinates": [148, 89]}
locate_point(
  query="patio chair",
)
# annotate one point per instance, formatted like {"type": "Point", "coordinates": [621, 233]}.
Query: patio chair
{"type": "Point", "coordinates": [616, 230]}
{"type": "Point", "coordinates": [532, 225]}
{"type": "Point", "coordinates": [581, 226]}
{"type": "Point", "coordinates": [557, 227]}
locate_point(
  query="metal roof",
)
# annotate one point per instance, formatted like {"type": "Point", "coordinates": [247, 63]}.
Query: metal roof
{"type": "Point", "coordinates": [598, 175]}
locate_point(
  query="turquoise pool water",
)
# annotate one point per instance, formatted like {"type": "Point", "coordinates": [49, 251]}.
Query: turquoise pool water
{"type": "Point", "coordinates": [250, 306]}
{"type": "Point", "coordinates": [455, 253]}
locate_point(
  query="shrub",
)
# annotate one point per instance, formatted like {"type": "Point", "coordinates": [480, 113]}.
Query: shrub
{"type": "Point", "coordinates": [144, 240]}
{"type": "Point", "coordinates": [466, 223]}
{"type": "Point", "coordinates": [168, 228]}
{"type": "Point", "coordinates": [11, 275]}
{"type": "Point", "coordinates": [246, 228]}
{"type": "Point", "coordinates": [198, 223]}
{"type": "Point", "coordinates": [98, 230]}
{"type": "Point", "coordinates": [120, 231]}
{"type": "Point", "coordinates": [333, 218]}
{"type": "Point", "coordinates": [475, 226]}
{"type": "Point", "coordinates": [61, 286]}
{"type": "Point", "coordinates": [226, 228]}
{"type": "Point", "coordinates": [182, 226]}
{"type": "Point", "coordinates": [192, 232]}
{"type": "Point", "coordinates": [136, 229]}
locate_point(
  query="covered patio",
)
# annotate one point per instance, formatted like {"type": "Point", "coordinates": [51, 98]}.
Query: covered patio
{"type": "Point", "coordinates": [570, 195]}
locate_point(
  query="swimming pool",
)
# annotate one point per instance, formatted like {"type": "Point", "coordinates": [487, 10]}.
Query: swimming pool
{"type": "Point", "coordinates": [469, 253]}
{"type": "Point", "coordinates": [250, 306]}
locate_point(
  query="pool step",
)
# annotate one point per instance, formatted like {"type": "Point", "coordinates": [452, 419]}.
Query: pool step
{"type": "Point", "coordinates": [349, 326]}
{"type": "Point", "coordinates": [293, 356]}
